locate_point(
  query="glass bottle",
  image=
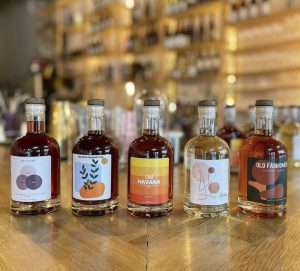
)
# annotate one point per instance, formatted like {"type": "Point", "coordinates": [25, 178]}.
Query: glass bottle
{"type": "Point", "coordinates": [232, 136]}
{"type": "Point", "coordinates": [35, 166]}
{"type": "Point", "coordinates": [290, 136]}
{"type": "Point", "coordinates": [150, 168]}
{"type": "Point", "coordinates": [206, 168]}
{"type": "Point", "coordinates": [263, 168]}
{"type": "Point", "coordinates": [249, 126]}
{"type": "Point", "coordinates": [95, 167]}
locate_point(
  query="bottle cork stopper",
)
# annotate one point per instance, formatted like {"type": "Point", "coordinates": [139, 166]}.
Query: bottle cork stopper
{"type": "Point", "coordinates": [98, 102]}
{"type": "Point", "coordinates": [35, 101]}
{"type": "Point", "coordinates": [152, 103]}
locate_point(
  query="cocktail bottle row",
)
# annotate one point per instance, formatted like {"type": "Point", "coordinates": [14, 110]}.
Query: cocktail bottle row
{"type": "Point", "coordinates": [35, 167]}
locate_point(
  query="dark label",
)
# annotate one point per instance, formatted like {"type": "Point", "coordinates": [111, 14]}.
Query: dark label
{"type": "Point", "coordinates": [267, 180]}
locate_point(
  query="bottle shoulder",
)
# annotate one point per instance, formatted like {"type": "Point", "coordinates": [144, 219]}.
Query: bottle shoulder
{"type": "Point", "coordinates": [256, 144]}
{"type": "Point", "coordinates": [94, 143]}
{"type": "Point", "coordinates": [146, 146]}
{"type": "Point", "coordinates": [207, 144]}
{"type": "Point", "coordinates": [32, 144]}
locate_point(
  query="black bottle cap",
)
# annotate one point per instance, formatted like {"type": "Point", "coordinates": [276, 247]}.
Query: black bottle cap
{"type": "Point", "coordinates": [229, 106]}
{"type": "Point", "coordinates": [152, 103]}
{"type": "Point", "coordinates": [99, 102]}
{"type": "Point", "coordinates": [264, 103]}
{"type": "Point", "coordinates": [207, 103]}
{"type": "Point", "coordinates": [35, 101]}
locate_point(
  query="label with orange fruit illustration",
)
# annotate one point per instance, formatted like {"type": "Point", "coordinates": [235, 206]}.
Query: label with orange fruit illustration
{"type": "Point", "coordinates": [209, 181]}
{"type": "Point", "coordinates": [91, 177]}
{"type": "Point", "coordinates": [267, 180]}
{"type": "Point", "coordinates": [149, 180]}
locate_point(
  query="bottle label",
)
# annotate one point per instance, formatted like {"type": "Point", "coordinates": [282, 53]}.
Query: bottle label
{"type": "Point", "coordinates": [30, 178]}
{"type": "Point", "coordinates": [209, 181]}
{"type": "Point", "coordinates": [267, 180]}
{"type": "Point", "coordinates": [149, 180]}
{"type": "Point", "coordinates": [235, 147]}
{"type": "Point", "coordinates": [91, 177]}
{"type": "Point", "coordinates": [296, 147]}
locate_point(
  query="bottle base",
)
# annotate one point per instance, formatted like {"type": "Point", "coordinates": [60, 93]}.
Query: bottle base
{"type": "Point", "coordinates": [206, 211]}
{"type": "Point", "coordinates": [260, 211]}
{"type": "Point", "coordinates": [148, 210]}
{"type": "Point", "coordinates": [82, 209]}
{"type": "Point", "coordinates": [34, 208]}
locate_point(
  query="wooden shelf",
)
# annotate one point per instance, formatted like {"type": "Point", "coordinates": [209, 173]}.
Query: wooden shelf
{"type": "Point", "coordinates": [207, 76]}
{"type": "Point", "coordinates": [262, 47]}
{"type": "Point", "coordinates": [276, 17]}
{"type": "Point", "coordinates": [197, 46]}
{"type": "Point", "coordinates": [265, 89]}
{"type": "Point", "coordinates": [74, 28]}
{"type": "Point", "coordinates": [114, 8]}
{"type": "Point", "coordinates": [265, 72]}
{"type": "Point", "coordinates": [207, 7]}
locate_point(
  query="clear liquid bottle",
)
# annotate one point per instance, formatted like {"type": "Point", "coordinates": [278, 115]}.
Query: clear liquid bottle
{"type": "Point", "coordinates": [206, 168]}
{"type": "Point", "coordinates": [95, 167]}
{"type": "Point", "coordinates": [35, 166]}
{"type": "Point", "coordinates": [150, 168]}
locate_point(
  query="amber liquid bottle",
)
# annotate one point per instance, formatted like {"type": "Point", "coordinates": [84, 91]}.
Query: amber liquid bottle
{"type": "Point", "coordinates": [150, 168]}
{"type": "Point", "coordinates": [95, 167]}
{"type": "Point", "coordinates": [263, 168]}
{"type": "Point", "coordinates": [35, 166]}
{"type": "Point", "coordinates": [232, 136]}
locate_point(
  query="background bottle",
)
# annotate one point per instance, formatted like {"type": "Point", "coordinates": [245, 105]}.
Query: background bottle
{"type": "Point", "coordinates": [233, 136]}
{"type": "Point", "coordinates": [95, 167]}
{"type": "Point", "coordinates": [290, 136]}
{"type": "Point", "coordinates": [150, 168]}
{"type": "Point", "coordinates": [263, 168]}
{"type": "Point", "coordinates": [206, 168]}
{"type": "Point", "coordinates": [249, 126]}
{"type": "Point", "coordinates": [35, 166]}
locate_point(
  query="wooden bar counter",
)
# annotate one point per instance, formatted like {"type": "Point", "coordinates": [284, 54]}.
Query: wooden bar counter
{"type": "Point", "coordinates": [62, 241]}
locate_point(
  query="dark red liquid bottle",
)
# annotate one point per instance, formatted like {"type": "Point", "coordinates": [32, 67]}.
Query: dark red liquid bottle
{"type": "Point", "coordinates": [150, 168]}
{"type": "Point", "coordinates": [35, 166]}
{"type": "Point", "coordinates": [95, 167]}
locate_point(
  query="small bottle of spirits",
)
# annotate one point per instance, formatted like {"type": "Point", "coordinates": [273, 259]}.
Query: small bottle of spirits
{"type": "Point", "coordinates": [249, 126]}
{"type": "Point", "coordinates": [232, 136]}
{"type": "Point", "coordinates": [206, 168]}
{"type": "Point", "coordinates": [95, 167]}
{"type": "Point", "coordinates": [290, 136]}
{"type": "Point", "coordinates": [150, 168]}
{"type": "Point", "coordinates": [263, 168]}
{"type": "Point", "coordinates": [35, 166]}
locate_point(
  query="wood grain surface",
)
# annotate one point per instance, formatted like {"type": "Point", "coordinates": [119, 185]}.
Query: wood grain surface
{"type": "Point", "coordinates": [62, 241]}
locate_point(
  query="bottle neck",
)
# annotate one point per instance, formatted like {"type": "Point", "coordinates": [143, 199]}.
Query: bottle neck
{"type": "Point", "coordinates": [96, 125]}
{"type": "Point", "coordinates": [229, 116]}
{"type": "Point", "coordinates": [36, 126]}
{"type": "Point", "coordinates": [35, 118]}
{"type": "Point", "coordinates": [264, 121]}
{"type": "Point", "coordinates": [151, 120]}
{"type": "Point", "coordinates": [96, 120]}
{"type": "Point", "coordinates": [207, 121]}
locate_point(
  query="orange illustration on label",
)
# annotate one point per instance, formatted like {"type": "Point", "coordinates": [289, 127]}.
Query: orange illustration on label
{"type": "Point", "coordinates": [149, 180]}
